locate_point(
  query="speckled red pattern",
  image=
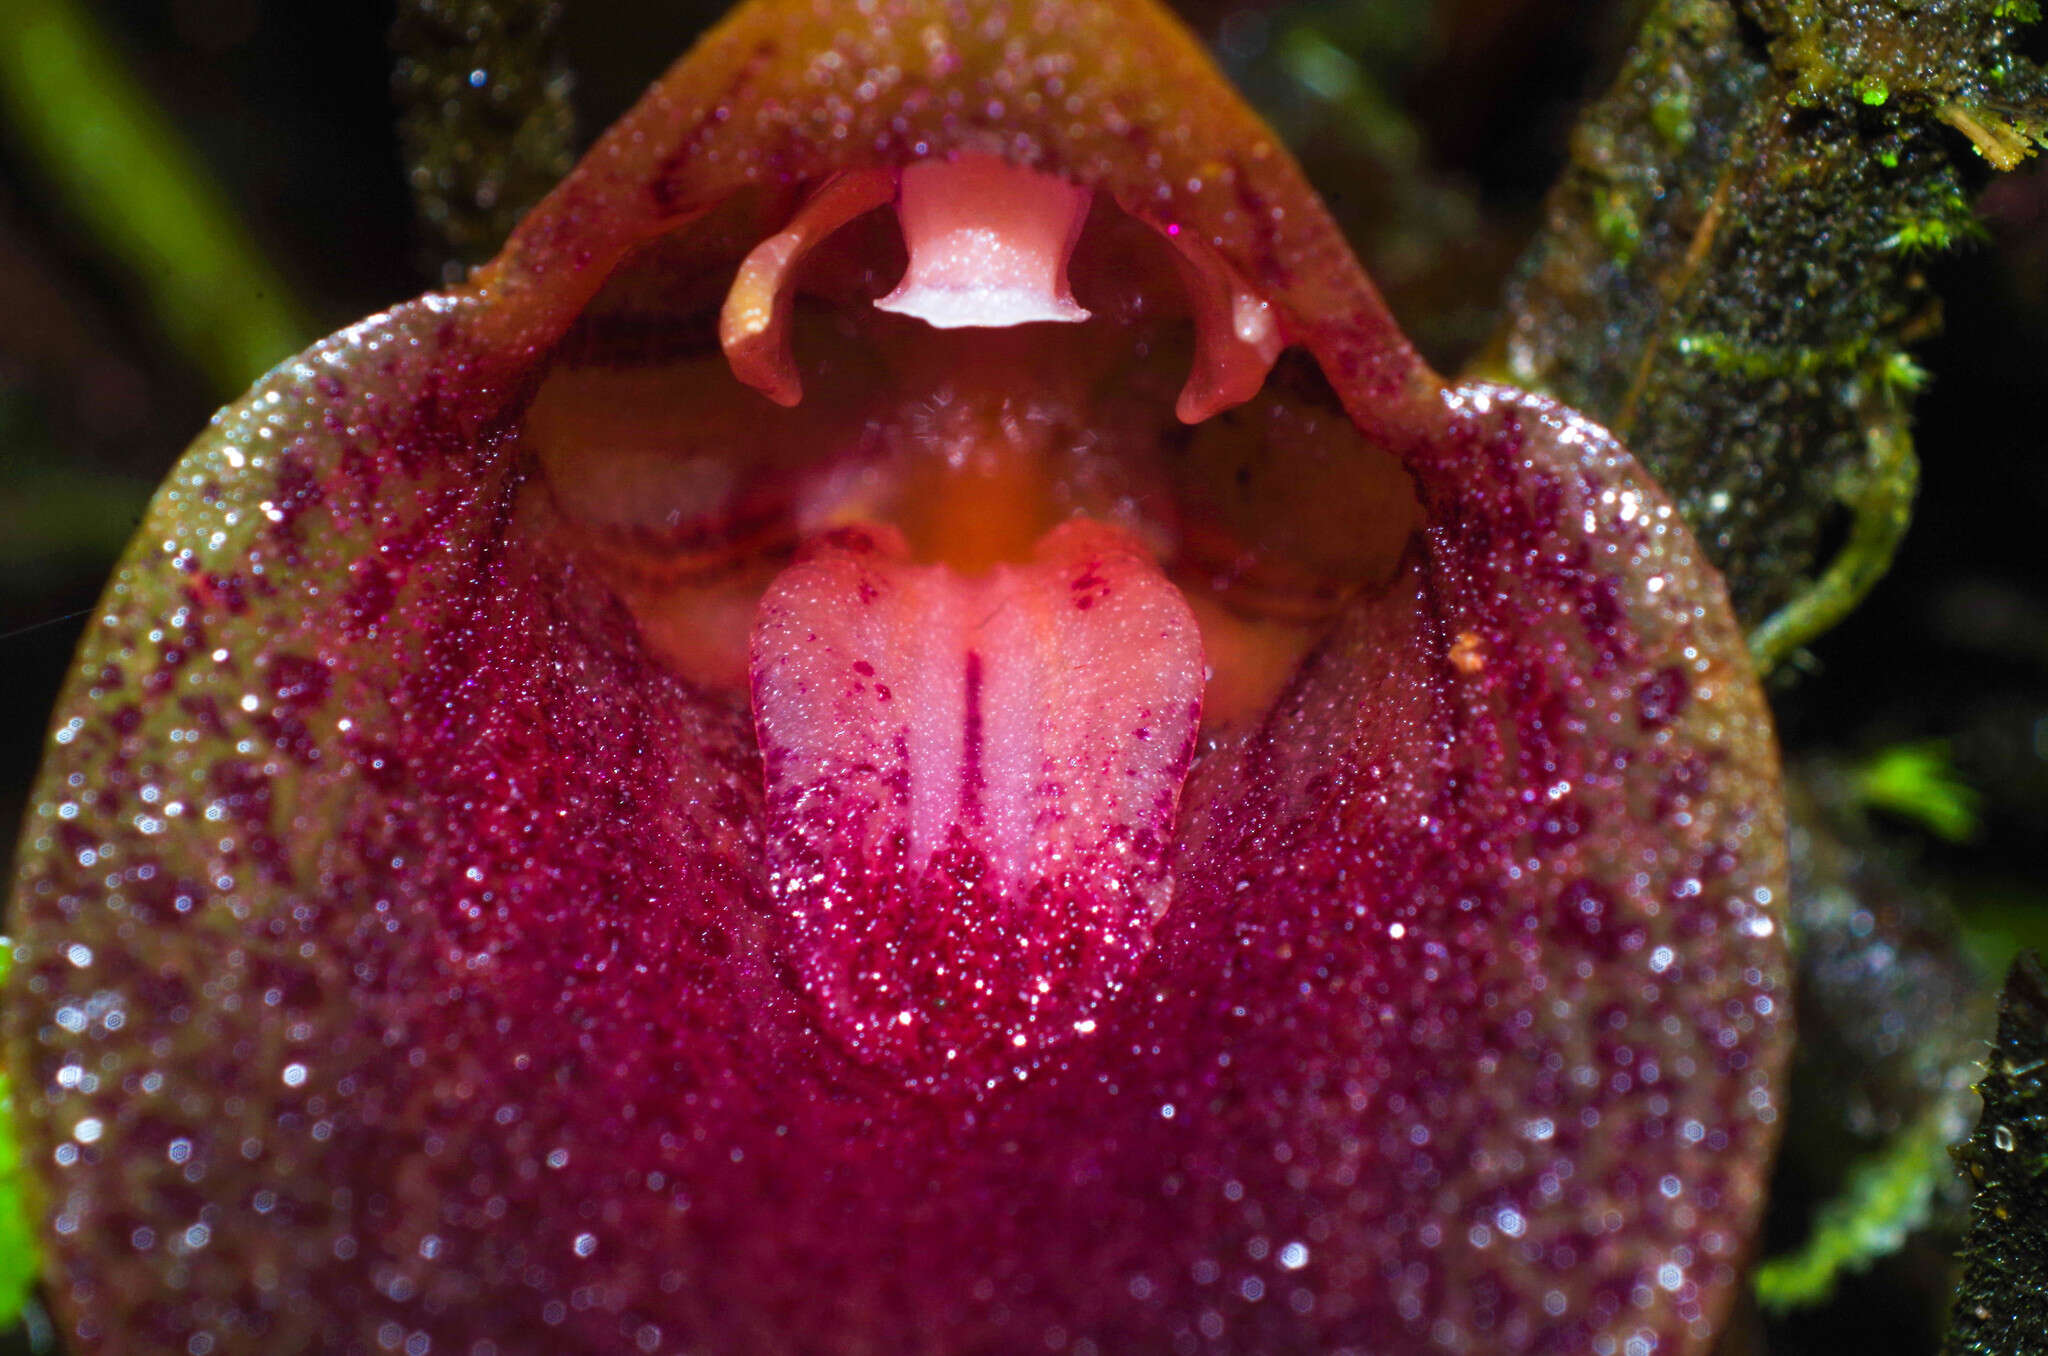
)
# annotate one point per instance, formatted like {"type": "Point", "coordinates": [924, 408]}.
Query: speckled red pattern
{"type": "Point", "coordinates": [398, 969]}
{"type": "Point", "coordinates": [971, 786]}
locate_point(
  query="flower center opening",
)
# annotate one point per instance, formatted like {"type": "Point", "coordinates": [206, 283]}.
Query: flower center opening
{"type": "Point", "coordinates": [994, 500]}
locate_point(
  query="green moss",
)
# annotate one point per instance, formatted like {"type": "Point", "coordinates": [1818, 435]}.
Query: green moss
{"type": "Point", "coordinates": [1889, 1194]}
{"type": "Point", "coordinates": [1618, 228]}
{"type": "Point", "coordinates": [1671, 116]}
{"type": "Point", "coordinates": [1730, 358]}
{"type": "Point", "coordinates": [1901, 375]}
{"type": "Point", "coordinates": [1942, 222]}
{"type": "Point", "coordinates": [1921, 53]}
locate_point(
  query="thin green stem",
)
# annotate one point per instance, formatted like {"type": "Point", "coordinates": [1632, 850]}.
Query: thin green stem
{"type": "Point", "coordinates": [1882, 504]}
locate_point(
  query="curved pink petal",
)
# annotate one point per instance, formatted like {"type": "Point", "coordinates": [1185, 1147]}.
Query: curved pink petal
{"type": "Point", "coordinates": [399, 965]}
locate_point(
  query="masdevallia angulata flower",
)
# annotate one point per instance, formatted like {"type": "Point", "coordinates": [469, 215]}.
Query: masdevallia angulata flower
{"type": "Point", "coordinates": [912, 727]}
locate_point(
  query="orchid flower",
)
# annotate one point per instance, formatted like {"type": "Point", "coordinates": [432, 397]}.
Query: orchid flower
{"type": "Point", "coordinates": [912, 727]}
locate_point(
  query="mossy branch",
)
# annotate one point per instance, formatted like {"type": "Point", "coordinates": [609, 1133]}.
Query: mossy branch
{"type": "Point", "coordinates": [485, 121]}
{"type": "Point", "coordinates": [1732, 268]}
{"type": "Point", "coordinates": [2001, 1306]}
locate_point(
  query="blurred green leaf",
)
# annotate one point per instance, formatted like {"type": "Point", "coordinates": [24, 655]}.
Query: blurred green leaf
{"type": "Point", "coordinates": [58, 514]}
{"type": "Point", "coordinates": [1918, 781]}
{"type": "Point", "coordinates": [125, 174]}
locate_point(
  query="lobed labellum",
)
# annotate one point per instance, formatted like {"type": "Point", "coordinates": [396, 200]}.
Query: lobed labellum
{"type": "Point", "coordinates": [971, 787]}
{"type": "Point", "coordinates": [726, 786]}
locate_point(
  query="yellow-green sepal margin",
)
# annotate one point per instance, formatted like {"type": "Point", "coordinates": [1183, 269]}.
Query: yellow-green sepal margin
{"type": "Point", "coordinates": [20, 1260]}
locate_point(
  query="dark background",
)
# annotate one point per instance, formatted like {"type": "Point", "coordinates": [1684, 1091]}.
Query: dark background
{"type": "Point", "coordinates": [1439, 177]}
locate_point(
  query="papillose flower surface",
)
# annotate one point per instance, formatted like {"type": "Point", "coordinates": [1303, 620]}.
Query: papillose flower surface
{"type": "Point", "coordinates": [911, 728]}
